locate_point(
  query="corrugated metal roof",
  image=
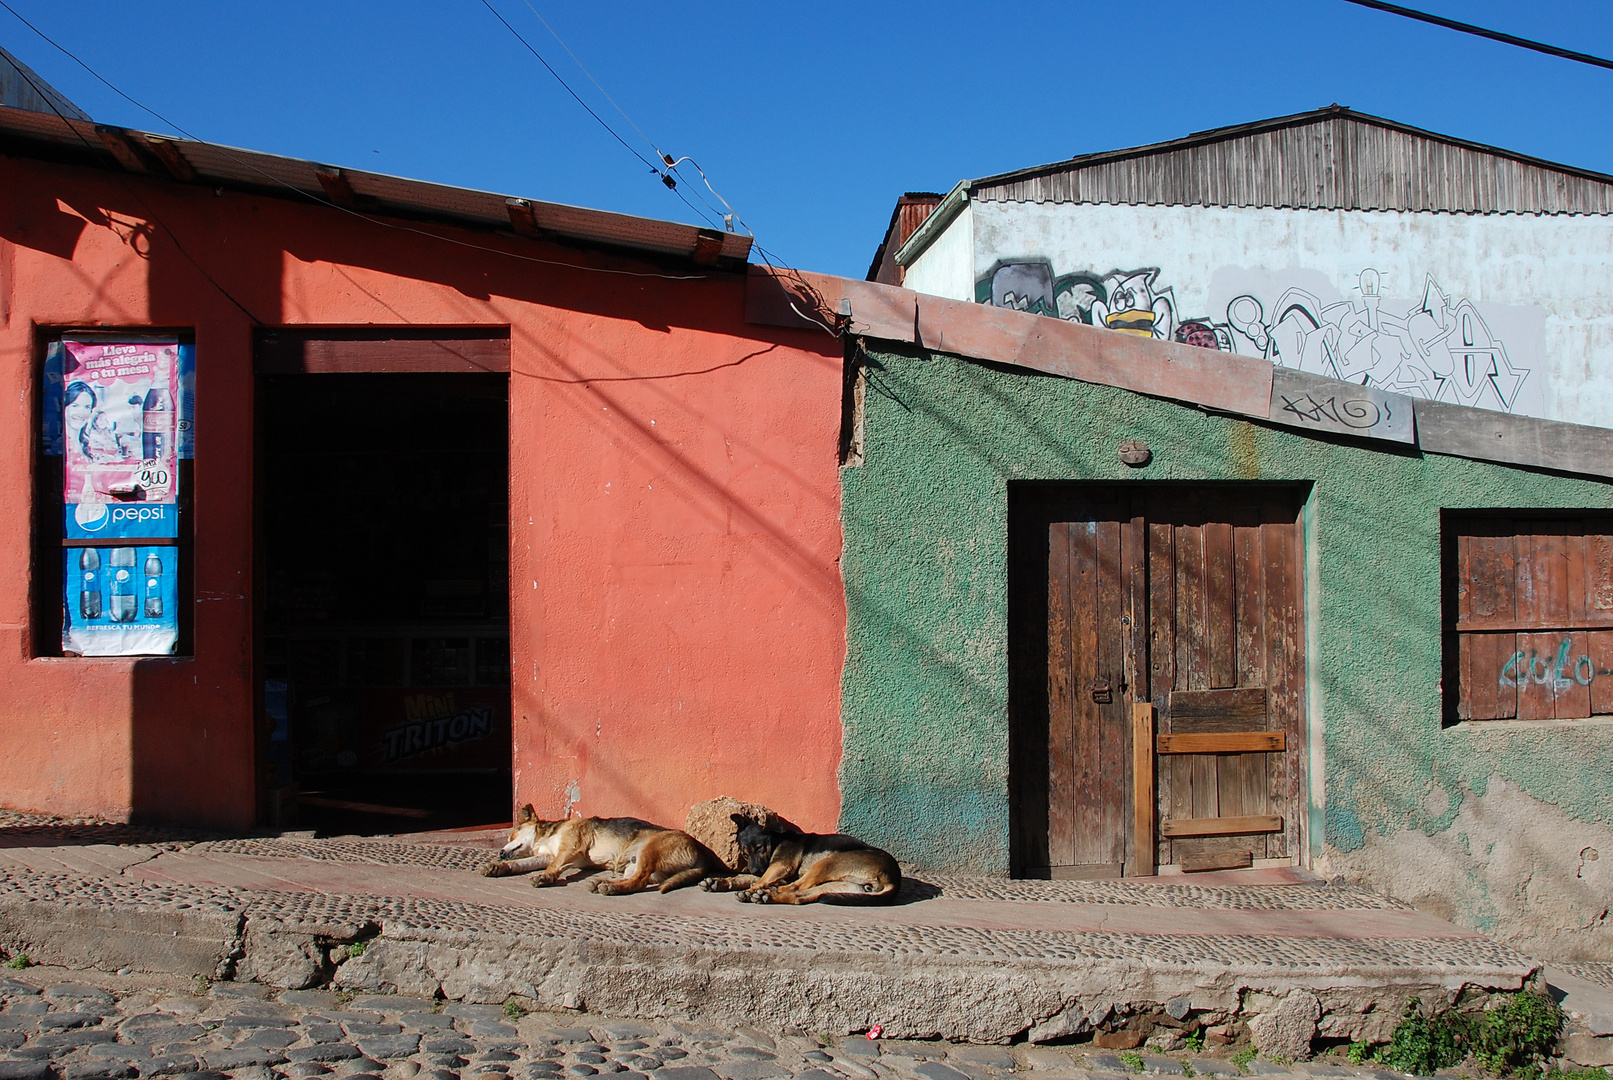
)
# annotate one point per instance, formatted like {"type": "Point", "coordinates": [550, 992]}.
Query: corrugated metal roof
{"type": "Point", "coordinates": [187, 160]}
{"type": "Point", "coordinates": [1330, 159]}
{"type": "Point", "coordinates": [911, 210]}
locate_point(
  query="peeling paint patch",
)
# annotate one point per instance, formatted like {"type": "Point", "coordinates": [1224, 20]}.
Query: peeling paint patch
{"type": "Point", "coordinates": [1509, 865]}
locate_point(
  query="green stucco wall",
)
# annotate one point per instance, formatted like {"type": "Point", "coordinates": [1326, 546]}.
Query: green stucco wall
{"type": "Point", "coordinates": [925, 695]}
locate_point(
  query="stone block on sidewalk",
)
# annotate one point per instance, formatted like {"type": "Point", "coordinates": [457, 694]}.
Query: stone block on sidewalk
{"type": "Point", "coordinates": [230, 1060]}
{"type": "Point", "coordinates": [387, 1047]}
{"type": "Point", "coordinates": [272, 1038]}
{"type": "Point", "coordinates": [168, 1065]}
{"type": "Point", "coordinates": [25, 1070]}
{"type": "Point", "coordinates": [323, 1052]}
{"type": "Point", "coordinates": [994, 1056]}
{"type": "Point", "coordinates": [750, 1070]}
{"type": "Point", "coordinates": [934, 1070]}
{"type": "Point", "coordinates": [1047, 1059]}
{"type": "Point", "coordinates": [684, 1072]}
{"type": "Point", "coordinates": [1588, 1049]}
{"type": "Point", "coordinates": [97, 1070]}
{"type": "Point", "coordinates": [1215, 1067]}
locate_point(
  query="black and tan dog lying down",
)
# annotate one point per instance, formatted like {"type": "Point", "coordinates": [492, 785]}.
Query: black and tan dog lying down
{"type": "Point", "coordinates": [788, 867]}
{"type": "Point", "coordinates": [783, 866]}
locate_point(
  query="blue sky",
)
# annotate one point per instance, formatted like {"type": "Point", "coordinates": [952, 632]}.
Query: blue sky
{"type": "Point", "coordinates": [809, 118]}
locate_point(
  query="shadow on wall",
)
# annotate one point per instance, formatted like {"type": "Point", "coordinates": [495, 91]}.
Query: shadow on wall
{"type": "Point", "coordinates": [222, 264]}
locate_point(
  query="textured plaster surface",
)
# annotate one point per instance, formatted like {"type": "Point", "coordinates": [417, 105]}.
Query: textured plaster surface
{"type": "Point", "coordinates": [1530, 871]}
{"type": "Point", "coordinates": [925, 765]}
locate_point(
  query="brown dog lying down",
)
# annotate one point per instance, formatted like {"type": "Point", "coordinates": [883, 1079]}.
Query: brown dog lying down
{"type": "Point", "coordinates": [784, 867]}
{"type": "Point", "coordinates": [641, 855]}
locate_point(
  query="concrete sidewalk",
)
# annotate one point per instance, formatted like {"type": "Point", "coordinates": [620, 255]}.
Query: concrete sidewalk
{"type": "Point", "coordinates": [967, 959]}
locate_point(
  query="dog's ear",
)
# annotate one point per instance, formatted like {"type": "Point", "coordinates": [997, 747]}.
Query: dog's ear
{"type": "Point", "coordinates": [741, 820]}
{"type": "Point", "coordinates": [527, 814]}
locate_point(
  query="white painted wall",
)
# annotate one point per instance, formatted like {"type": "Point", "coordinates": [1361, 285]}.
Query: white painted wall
{"type": "Point", "coordinates": [1540, 287]}
{"type": "Point", "coordinates": [947, 266]}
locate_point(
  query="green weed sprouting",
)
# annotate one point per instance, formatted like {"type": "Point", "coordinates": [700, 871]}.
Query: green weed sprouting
{"type": "Point", "coordinates": [514, 1009]}
{"type": "Point", "coordinates": [1132, 1060]}
{"type": "Point", "coordinates": [1518, 1034]}
{"type": "Point", "coordinates": [19, 962]}
{"type": "Point", "coordinates": [1243, 1057]}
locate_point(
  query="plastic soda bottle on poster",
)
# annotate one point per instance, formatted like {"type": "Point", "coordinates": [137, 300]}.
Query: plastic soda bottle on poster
{"type": "Point", "coordinates": [153, 586]}
{"type": "Point", "coordinates": [121, 560]}
{"type": "Point", "coordinates": [89, 589]}
{"type": "Point", "coordinates": [157, 419]}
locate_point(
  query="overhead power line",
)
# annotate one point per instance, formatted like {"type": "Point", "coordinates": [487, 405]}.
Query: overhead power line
{"type": "Point", "coordinates": [308, 195]}
{"type": "Point", "coordinates": [1479, 31]}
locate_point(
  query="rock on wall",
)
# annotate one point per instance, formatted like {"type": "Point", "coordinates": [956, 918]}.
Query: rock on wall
{"type": "Point", "coordinates": [1510, 865]}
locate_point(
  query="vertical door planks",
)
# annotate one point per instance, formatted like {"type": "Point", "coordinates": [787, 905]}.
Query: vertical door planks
{"type": "Point", "coordinates": [1061, 706]}
{"type": "Point", "coordinates": [1152, 593]}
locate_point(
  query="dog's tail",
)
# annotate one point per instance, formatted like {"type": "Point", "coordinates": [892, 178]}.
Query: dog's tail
{"type": "Point", "coordinates": [682, 878]}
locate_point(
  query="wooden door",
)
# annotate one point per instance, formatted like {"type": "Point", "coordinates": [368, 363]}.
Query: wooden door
{"type": "Point", "coordinates": [1186, 599]}
{"type": "Point", "coordinates": [1094, 583]}
{"type": "Point", "coordinates": [1226, 672]}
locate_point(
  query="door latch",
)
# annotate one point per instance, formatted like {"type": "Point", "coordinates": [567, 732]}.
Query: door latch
{"type": "Point", "coordinates": [1102, 693]}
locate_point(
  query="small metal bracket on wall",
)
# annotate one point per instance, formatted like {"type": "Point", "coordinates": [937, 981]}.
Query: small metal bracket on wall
{"type": "Point", "coordinates": [853, 396]}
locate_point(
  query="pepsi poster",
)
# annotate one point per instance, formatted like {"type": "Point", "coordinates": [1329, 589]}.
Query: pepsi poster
{"type": "Point", "coordinates": [120, 439]}
{"type": "Point", "coordinates": [121, 601]}
{"type": "Point", "coordinates": [119, 414]}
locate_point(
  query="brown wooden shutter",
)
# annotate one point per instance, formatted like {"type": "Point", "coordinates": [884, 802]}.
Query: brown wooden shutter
{"type": "Point", "coordinates": [1534, 618]}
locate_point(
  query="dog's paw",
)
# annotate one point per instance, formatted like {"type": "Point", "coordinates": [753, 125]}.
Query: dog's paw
{"type": "Point", "coordinates": [709, 884]}
{"type": "Point", "coordinates": [762, 896]}
{"type": "Point", "coordinates": [494, 869]}
{"type": "Point", "coordinates": [540, 881]}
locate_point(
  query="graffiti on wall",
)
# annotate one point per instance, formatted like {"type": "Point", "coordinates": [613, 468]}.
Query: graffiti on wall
{"type": "Point", "coordinates": [1128, 301]}
{"type": "Point", "coordinates": [1439, 347]}
{"type": "Point", "coordinates": [1560, 672]}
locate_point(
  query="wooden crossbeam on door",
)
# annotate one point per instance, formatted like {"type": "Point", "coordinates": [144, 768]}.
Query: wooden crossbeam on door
{"type": "Point", "coordinates": [1142, 787]}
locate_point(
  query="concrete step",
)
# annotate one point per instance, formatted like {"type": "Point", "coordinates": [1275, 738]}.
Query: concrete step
{"type": "Point", "coordinates": [970, 960]}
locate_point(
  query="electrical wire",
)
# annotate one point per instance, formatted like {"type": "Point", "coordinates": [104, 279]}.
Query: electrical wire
{"type": "Point", "coordinates": [1479, 31]}
{"type": "Point", "coordinates": [151, 214]}
{"type": "Point", "coordinates": [308, 195]}
{"type": "Point", "coordinates": [658, 170]}
{"type": "Point", "coordinates": [672, 165]}
{"type": "Point", "coordinates": [769, 258]}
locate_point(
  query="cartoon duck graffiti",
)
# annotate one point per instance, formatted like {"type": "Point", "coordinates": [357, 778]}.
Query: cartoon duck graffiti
{"type": "Point", "coordinates": [1133, 307]}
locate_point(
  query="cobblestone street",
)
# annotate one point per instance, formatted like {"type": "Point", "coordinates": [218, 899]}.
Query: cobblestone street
{"type": "Point", "coordinates": [78, 1031]}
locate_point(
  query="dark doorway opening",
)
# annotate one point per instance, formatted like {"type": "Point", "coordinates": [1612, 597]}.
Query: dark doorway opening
{"type": "Point", "coordinates": [384, 578]}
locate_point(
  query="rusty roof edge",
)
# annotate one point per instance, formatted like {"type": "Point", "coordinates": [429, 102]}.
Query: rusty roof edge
{"type": "Point", "coordinates": [945, 212]}
{"type": "Point", "coordinates": [1221, 382]}
{"type": "Point", "coordinates": [906, 199]}
{"type": "Point", "coordinates": [1253, 127]}
{"type": "Point", "coordinates": [615, 229]}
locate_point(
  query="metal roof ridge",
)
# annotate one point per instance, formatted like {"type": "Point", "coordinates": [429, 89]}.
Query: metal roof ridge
{"type": "Point", "coordinates": [1233, 131]}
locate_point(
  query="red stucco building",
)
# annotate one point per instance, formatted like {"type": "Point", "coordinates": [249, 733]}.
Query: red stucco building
{"type": "Point", "coordinates": [427, 421]}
